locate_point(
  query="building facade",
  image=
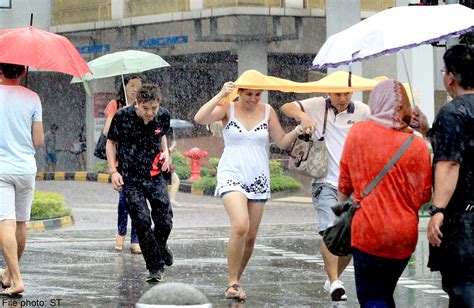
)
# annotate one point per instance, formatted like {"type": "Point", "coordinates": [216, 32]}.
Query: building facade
{"type": "Point", "coordinates": [206, 42]}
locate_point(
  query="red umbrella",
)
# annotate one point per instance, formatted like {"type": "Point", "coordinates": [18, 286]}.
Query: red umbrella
{"type": "Point", "coordinates": [41, 49]}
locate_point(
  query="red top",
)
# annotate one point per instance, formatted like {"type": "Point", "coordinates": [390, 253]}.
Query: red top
{"type": "Point", "coordinates": [111, 108]}
{"type": "Point", "coordinates": [386, 224]}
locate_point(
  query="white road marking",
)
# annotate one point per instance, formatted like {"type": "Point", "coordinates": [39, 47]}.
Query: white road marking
{"type": "Point", "coordinates": [408, 283]}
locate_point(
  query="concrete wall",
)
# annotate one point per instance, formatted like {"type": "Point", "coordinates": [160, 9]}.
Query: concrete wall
{"type": "Point", "coordinates": [19, 14]}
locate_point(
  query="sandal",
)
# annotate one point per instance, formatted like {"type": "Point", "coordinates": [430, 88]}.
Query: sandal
{"type": "Point", "coordinates": [8, 293]}
{"type": "Point", "coordinates": [238, 292]}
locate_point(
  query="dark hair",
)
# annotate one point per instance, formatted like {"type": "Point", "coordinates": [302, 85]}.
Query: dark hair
{"type": "Point", "coordinates": [54, 127]}
{"type": "Point", "coordinates": [121, 90]}
{"type": "Point", "coordinates": [459, 60]}
{"type": "Point", "coordinates": [148, 92]}
{"type": "Point", "coordinates": [12, 71]}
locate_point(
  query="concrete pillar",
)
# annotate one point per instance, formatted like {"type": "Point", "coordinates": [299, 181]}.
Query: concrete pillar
{"type": "Point", "coordinates": [420, 70]}
{"type": "Point", "coordinates": [296, 4]}
{"type": "Point", "coordinates": [340, 15]}
{"type": "Point", "coordinates": [102, 90]}
{"type": "Point", "coordinates": [196, 5]}
{"type": "Point", "coordinates": [253, 55]}
{"type": "Point", "coordinates": [117, 9]}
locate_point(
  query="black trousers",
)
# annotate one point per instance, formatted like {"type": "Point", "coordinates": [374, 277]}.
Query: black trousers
{"type": "Point", "coordinates": [151, 240]}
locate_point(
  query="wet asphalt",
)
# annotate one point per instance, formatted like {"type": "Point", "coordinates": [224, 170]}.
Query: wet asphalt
{"type": "Point", "coordinates": [77, 266]}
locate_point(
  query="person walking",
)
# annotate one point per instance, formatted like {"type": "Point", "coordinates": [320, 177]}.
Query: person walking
{"type": "Point", "coordinates": [335, 116]}
{"type": "Point", "coordinates": [22, 133]}
{"type": "Point", "coordinates": [137, 158]}
{"type": "Point", "coordinates": [384, 229]}
{"type": "Point", "coordinates": [243, 176]}
{"type": "Point", "coordinates": [450, 229]}
{"type": "Point", "coordinates": [50, 151]}
{"type": "Point", "coordinates": [125, 97]}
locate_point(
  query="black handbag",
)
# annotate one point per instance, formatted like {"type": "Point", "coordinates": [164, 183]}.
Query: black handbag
{"type": "Point", "coordinates": [338, 237]}
{"type": "Point", "coordinates": [99, 151]}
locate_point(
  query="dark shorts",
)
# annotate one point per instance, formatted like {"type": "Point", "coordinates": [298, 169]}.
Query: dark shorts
{"type": "Point", "coordinates": [51, 158]}
{"type": "Point", "coordinates": [253, 200]}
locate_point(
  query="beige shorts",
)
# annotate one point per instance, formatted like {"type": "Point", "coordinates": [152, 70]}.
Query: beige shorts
{"type": "Point", "coordinates": [17, 192]}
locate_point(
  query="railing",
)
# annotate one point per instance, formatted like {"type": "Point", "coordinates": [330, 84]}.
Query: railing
{"type": "Point", "coordinates": [134, 8]}
{"type": "Point", "coordinates": [376, 5]}
{"type": "Point", "coordinates": [209, 4]}
{"type": "Point", "coordinates": [315, 4]}
{"type": "Point", "coordinates": [365, 5]}
{"type": "Point", "coordinates": [73, 11]}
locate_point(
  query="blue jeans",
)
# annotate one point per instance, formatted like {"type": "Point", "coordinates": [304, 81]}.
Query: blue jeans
{"type": "Point", "coordinates": [122, 220]}
{"type": "Point", "coordinates": [376, 278]}
{"type": "Point", "coordinates": [459, 284]}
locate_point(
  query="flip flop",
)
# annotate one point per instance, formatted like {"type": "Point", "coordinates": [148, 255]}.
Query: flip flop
{"type": "Point", "coordinates": [7, 293]}
{"type": "Point", "coordinates": [237, 289]}
{"type": "Point", "coordinates": [4, 286]}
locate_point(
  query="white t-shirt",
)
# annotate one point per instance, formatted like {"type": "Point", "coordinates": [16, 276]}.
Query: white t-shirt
{"type": "Point", "coordinates": [337, 128]}
{"type": "Point", "coordinates": [19, 108]}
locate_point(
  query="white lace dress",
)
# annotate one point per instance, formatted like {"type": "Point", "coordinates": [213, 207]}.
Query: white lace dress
{"type": "Point", "coordinates": [244, 165]}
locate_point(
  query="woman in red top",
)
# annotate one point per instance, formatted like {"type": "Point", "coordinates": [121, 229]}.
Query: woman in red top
{"type": "Point", "coordinates": [126, 97]}
{"type": "Point", "coordinates": [385, 228]}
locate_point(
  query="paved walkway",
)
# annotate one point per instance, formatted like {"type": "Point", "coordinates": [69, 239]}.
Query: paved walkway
{"type": "Point", "coordinates": [78, 267]}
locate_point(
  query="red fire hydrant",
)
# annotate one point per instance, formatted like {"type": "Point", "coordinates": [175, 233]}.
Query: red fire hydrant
{"type": "Point", "coordinates": [196, 154]}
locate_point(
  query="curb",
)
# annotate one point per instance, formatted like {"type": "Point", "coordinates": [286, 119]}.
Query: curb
{"type": "Point", "coordinates": [49, 224]}
{"type": "Point", "coordinates": [73, 176]}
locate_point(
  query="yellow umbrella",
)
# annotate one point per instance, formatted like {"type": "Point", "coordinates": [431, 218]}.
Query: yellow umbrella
{"type": "Point", "coordinates": [336, 82]}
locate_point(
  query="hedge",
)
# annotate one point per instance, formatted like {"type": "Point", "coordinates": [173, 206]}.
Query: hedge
{"type": "Point", "coordinates": [48, 205]}
{"type": "Point", "coordinates": [278, 181]}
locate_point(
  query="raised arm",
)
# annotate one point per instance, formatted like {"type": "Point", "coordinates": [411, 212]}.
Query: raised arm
{"type": "Point", "coordinates": [211, 112]}
{"type": "Point", "coordinates": [294, 111]}
{"type": "Point", "coordinates": [282, 140]}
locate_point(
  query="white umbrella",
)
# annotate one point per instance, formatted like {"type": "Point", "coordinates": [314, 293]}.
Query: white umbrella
{"type": "Point", "coordinates": [392, 30]}
{"type": "Point", "coordinates": [122, 63]}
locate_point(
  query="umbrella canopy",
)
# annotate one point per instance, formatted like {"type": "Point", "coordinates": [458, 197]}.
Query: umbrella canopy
{"type": "Point", "coordinates": [177, 123]}
{"type": "Point", "coordinates": [41, 49]}
{"type": "Point", "coordinates": [337, 82]}
{"type": "Point", "coordinates": [392, 30]}
{"type": "Point", "coordinates": [122, 63]}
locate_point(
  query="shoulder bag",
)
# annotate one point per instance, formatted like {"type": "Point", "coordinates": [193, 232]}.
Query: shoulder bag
{"type": "Point", "coordinates": [338, 237]}
{"type": "Point", "coordinates": [310, 157]}
{"type": "Point", "coordinates": [99, 151]}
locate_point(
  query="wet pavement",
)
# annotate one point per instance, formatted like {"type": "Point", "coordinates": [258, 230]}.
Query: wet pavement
{"type": "Point", "coordinates": [77, 267]}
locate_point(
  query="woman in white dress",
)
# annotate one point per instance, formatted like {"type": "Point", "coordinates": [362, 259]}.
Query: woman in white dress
{"type": "Point", "coordinates": [243, 176]}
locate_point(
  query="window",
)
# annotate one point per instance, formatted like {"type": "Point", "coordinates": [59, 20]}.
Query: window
{"type": "Point", "coordinates": [5, 4]}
